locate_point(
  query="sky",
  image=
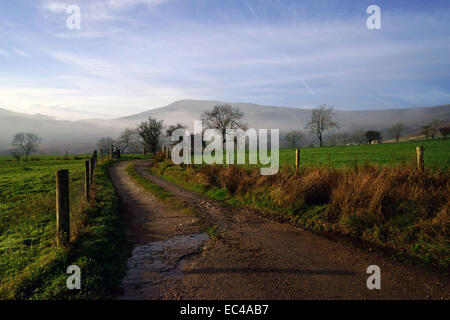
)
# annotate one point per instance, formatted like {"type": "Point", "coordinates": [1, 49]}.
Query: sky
{"type": "Point", "coordinates": [130, 56]}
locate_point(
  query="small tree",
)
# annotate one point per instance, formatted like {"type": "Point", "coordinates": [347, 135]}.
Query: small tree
{"type": "Point", "coordinates": [373, 135]}
{"type": "Point", "coordinates": [222, 118]}
{"type": "Point", "coordinates": [434, 127]}
{"type": "Point", "coordinates": [427, 131]}
{"type": "Point", "coordinates": [321, 121]}
{"type": "Point", "coordinates": [396, 131]}
{"type": "Point", "coordinates": [151, 132]}
{"type": "Point", "coordinates": [129, 138]}
{"type": "Point", "coordinates": [445, 131]}
{"type": "Point", "coordinates": [25, 144]}
{"type": "Point", "coordinates": [294, 137]}
{"type": "Point", "coordinates": [105, 143]}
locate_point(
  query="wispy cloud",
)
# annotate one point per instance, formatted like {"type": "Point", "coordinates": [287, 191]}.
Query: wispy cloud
{"type": "Point", "coordinates": [131, 55]}
{"type": "Point", "coordinates": [21, 53]}
{"type": "Point", "coordinates": [100, 9]}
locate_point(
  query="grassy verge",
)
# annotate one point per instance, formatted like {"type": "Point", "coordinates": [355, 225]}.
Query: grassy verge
{"type": "Point", "coordinates": [397, 209]}
{"type": "Point", "coordinates": [34, 268]}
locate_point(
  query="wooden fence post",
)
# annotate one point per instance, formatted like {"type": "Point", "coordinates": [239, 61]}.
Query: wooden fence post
{"type": "Point", "coordinates": [297, 159]}
{"type": "Point", "coordinates": [62, 208]}
{"type": "Point", "coordinates": [87, 183]}
{"type": "Point", "coordinates": [167, 153]}
{"type": "Point", "coordinates": [101, 155]}
{"type": "Point", "coordinates": [420, 163]}
{"type": "Point", "coordinates": [92, 167]}
{"type": "Point", "coordinates": [110, 152]}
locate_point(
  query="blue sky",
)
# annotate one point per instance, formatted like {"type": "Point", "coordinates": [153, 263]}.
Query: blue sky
{"type": "Point", "coordinates": [133, 55]}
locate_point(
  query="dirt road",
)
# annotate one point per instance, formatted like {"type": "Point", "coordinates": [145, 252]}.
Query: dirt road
{"type": "Point", "coordinates": [254, 258]}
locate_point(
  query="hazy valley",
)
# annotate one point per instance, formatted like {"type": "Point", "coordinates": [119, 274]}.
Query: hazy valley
{"type": "Point", "coordinates": [59, 136]}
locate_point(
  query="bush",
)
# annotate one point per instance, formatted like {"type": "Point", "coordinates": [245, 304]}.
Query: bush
{"type": "Point", "coordinates": [160, 156]}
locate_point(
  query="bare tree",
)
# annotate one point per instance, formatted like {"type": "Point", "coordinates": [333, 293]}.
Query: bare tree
{"type": "Point", "coordinates": [222, 118]}
{"type": "Point", "coordinates": [151, 132]}
{"type": "Point", "coordinates": [427, 131]}
{"type": "Point", "coordinates": [105, 143]}
{"type": "Point", "coordinates": [25, 144]}
{"type": "Point", "coordinates": [445, 131]}
{"type": "Point", "coordinates": [434, 127]}
{"type": "Point", "coordinates": [396, 131]}
{"type": "Point", "coordinates": [321, 122]}
{"type": "Point", "coordinates": [294, 137]}
{"type": "Point", "coordinates": [129, 138]}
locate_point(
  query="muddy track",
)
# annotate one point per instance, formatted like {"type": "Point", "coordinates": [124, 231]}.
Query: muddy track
{"type": "Point", "coordinates": [253, 259]}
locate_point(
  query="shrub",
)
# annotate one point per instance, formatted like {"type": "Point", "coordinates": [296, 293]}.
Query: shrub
{"type": "Point", "coordinates": [160, 156]}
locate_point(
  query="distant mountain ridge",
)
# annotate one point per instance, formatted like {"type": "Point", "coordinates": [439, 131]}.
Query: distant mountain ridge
{"type": "Point", "coordinates": [288, 118]}
{"type": "Point", "coordinates": [81, 136]}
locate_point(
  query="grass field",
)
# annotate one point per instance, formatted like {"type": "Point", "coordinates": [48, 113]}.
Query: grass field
{"type": "Point", "coordinates": [437, 153]}
{"type": "Point", "coordinates": [27, 215]}
{"type": "Point", "coordinates": [31, 266]}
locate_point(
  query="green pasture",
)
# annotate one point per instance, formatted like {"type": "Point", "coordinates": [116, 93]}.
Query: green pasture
{"type": "Point", "coordinates": [437, 154]}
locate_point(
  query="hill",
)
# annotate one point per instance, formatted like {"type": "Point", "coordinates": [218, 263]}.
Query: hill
{"type": "Point", "coordinates": [287, 118]}
{"type": "Point", "coordinates": [80, 136]}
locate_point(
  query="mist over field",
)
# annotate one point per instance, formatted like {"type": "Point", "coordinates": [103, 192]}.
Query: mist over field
{"type": "Point", "coordinates": [80, 136]}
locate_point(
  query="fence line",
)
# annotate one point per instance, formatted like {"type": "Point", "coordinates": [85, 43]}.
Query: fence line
{"type": "Point", "coordinates": [63, 201]}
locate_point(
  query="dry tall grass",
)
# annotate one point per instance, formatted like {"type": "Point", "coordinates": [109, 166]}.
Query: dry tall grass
{"type": "Point", "coordinates": [395, 207]}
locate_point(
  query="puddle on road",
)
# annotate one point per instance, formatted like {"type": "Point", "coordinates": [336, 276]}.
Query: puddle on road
{"type": "Point", "coordinates": [154, 265]}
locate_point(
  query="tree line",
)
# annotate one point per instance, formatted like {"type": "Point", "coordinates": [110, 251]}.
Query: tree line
{"type": "Point", "coordinates": [151, 134]}
{"type": "Point", "coordinates": [322, 122]}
